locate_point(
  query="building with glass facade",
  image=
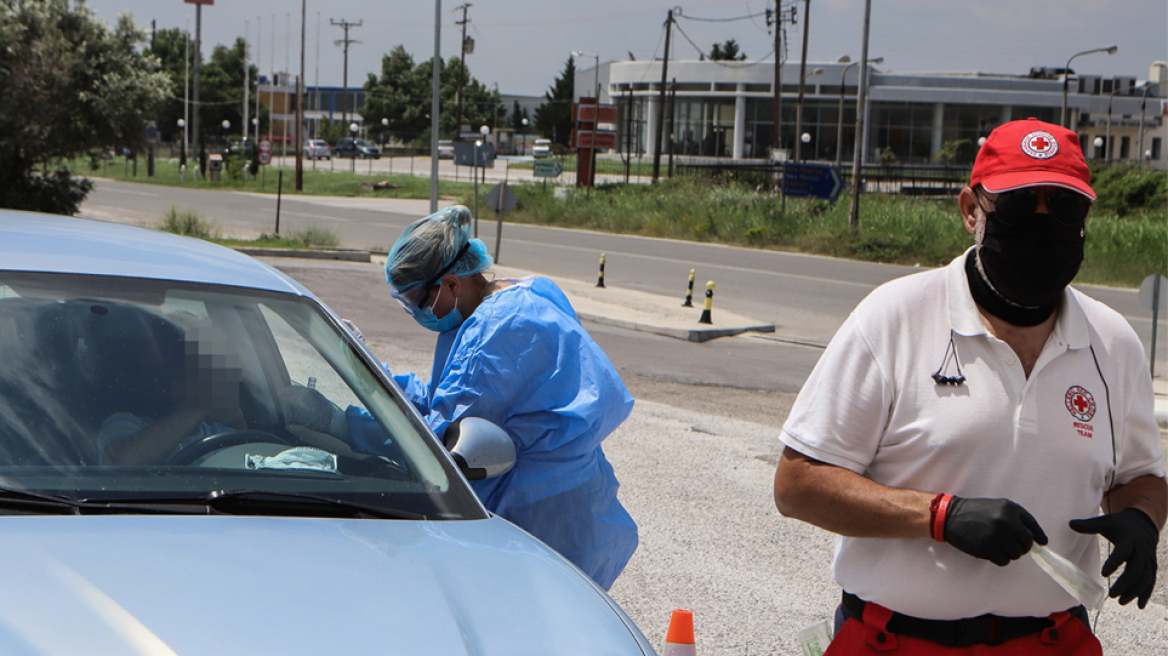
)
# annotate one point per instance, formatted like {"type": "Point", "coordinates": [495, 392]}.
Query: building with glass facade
{"type": "Point", "coordinates": [727, 109]}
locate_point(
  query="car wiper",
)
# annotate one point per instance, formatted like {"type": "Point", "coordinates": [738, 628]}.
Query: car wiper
{"type": "Point", "coordinates": [263, 502]}
{"type": "Point", "coordinates": [17, 499]}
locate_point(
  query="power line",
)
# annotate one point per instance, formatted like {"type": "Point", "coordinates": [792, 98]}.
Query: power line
{"type": "Point", "coordinates": [343, 24]}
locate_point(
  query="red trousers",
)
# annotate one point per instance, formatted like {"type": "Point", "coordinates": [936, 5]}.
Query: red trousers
{"type": "Point", "coordinates": [1068, 637]}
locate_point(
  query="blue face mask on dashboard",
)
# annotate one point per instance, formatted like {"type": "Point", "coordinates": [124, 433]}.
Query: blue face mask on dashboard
{"type": "Point", "coordinates": [428, 320]}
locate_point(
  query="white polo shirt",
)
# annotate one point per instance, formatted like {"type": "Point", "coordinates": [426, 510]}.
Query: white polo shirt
{"type": "Point", "coordinates": [871, 406]}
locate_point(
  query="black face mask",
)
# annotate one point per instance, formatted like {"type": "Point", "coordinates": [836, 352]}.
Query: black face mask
{"type": "Point", "coordinates": [1030, 261]}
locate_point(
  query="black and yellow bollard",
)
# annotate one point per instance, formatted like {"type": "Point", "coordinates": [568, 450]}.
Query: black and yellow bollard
{"type": "Point", "coordinates": [689, 291]}
{"type": "Point", "coordinates": [709, 303]}
{"type": "Point", "coordinates": [600, 280]}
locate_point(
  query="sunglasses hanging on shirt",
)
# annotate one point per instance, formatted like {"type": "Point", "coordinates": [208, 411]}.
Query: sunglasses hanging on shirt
{"type": "Point", "coordinates": [940, 374]}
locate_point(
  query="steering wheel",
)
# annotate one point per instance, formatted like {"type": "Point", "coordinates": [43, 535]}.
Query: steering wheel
{"type": "Point", "coordinates": [192, 452]}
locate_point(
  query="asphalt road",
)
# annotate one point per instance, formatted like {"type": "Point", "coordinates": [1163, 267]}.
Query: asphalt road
{"type": "Point", "coordinates": [696, 462]}
{"type": "Point", "coordinates": [696, 459]}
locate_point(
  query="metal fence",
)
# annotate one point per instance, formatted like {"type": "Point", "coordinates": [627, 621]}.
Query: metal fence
{"type": "Point", "coordinates": [923, 181]}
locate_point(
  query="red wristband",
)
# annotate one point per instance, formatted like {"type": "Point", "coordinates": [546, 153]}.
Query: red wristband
{"type": "Point", "coordinates": [937, 512]}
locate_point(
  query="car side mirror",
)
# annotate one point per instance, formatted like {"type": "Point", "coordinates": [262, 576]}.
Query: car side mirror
{"type": "Point", "coordinates": [481, 449]}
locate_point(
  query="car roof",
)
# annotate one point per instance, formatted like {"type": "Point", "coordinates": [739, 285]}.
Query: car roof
{"type": "Point", "coordinates": [51, 243]}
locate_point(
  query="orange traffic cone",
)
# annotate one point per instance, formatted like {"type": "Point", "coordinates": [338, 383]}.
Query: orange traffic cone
{"type": "Point", "coordinates": [679, 641]}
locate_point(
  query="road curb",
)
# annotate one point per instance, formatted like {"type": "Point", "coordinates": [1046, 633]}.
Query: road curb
{"type": "Point", "coordinates": [347, 255]}
{"type": "Point", "coordinates": [684, 334]}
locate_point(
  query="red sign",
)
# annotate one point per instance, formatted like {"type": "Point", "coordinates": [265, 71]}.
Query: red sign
{"type": "Point", "coordinates": [590, 139]}
{"type": "Point", "coordinates": [588, 113]}
{"type": "Point", "coordinates": [265, 158]}
{"type": "Point", "coordinates": [265, 145]}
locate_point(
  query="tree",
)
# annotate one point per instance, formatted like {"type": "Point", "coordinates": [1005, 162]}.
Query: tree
{"type": "Point", "coordinates": [518, 116]}
{"type": "Point", "coordinates": [727, 51]}
{"type": "Point", "coordinates": [402, 95]}
{"type": "Point", "coordinates": [69, 85]}
{"type": "Point", "coordinates": [553, 118]}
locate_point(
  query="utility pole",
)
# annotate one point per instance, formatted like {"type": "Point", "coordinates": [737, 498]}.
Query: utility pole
{"type": "Point", "coordinates": [861, 106]}
{"type": "Point", "coordinates": [300, 102]}
{"type": "Point", "coordinates": [461, 71]}
{"type": "Point", "coordinates": [198, 74]}
{"type": "Point", "coordinates": [775, 20]}
{"type": "Point", "coordinates": [435, 104]}
{"type": "Point", "coordinates": [345, 84]}
{"type": "Point", "coordinates": [661, 99]}
{"type": "Point", "coordinates": [802, 83]}
{"type": "Point", "coordinates": [157, 123]}
{"type": "Point", "coordinates": [246, 91]}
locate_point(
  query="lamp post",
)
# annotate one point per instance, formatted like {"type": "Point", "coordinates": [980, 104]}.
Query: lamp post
{"type": "Point", "coordinates": [484, 130]}
{"type": "Point", "coordinates": [226, 146]}
{"type": "Point", "coordinates": [1111, 50]}
{"type": "Point", "coordinates": [182, 160]}
{"type": "Point", "coordinates": [799, 111]}
{"type": "Point", "coordinates": [1143, 112]}
{"type": "Point", "coordinates": [1098, 143]}
{"type": "Point", "coordinates": [839, 129]}
{"type": "Point", "coordinates": [1110, 100]}
{"type": "Point", "coordinates": [523, 148]}
{"type": "Point", "coordinates": [353, 127]}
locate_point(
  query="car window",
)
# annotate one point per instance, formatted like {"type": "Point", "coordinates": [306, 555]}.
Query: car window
{"type": "Point", "coordinates": [140, 390]}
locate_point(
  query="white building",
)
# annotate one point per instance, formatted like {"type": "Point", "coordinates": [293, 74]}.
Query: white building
{"type": "Point", "coordinates": [726, 110]}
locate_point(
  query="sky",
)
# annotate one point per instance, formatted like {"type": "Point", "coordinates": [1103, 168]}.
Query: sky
{"type": "Point", "coordinates": [522, 45]}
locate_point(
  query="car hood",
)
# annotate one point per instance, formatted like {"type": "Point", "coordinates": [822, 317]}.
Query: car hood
{"type": "Point", "coordinates": [247, 585]}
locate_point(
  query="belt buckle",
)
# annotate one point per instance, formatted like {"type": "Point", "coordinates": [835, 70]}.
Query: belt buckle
{"type": "Point", "coordinates": [982, 629]}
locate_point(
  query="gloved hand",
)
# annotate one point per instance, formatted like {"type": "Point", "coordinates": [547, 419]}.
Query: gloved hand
{"type": "Point", "coordinates": [310, 408]}
{"type": "Point", "coordinates": [997, 530]}
{"type": "Point", "coordinates": [353, 329]}
{"type": "Point", "coordinates": [1134, 535]}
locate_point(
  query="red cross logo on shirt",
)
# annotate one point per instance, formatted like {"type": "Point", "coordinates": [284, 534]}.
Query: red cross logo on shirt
{"type": "Point", "coordinates": [1080, 403]}
{"type": "Point", "coordinates": [1040, 144]}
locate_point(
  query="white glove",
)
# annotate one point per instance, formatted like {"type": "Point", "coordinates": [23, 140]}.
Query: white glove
{"type": "Point", "coordinates": [309, 408]}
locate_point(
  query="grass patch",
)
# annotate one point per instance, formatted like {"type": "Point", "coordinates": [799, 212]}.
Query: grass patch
{"type": "Point", "coordinates": [329, 178]}
{"type": "Point", "coordinates": [188, 223]}
{"type": "Point", "coordinates": [1121, 250]}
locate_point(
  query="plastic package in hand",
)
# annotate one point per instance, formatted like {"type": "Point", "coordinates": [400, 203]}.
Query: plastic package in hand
{"type": "Point", "coordinates": [311, 409]}
{"type": "Point", "coordinates": [1075, 581]}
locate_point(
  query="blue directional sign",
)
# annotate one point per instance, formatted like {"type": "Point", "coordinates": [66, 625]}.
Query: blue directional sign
{"type": "Point", "coordinates": [465, 154]}
{"type": "Point", "coordinates": [818, 180]}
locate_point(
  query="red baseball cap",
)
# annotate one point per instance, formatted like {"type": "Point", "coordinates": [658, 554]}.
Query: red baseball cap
{"type": "Point", "coordinates": [1031, 153]}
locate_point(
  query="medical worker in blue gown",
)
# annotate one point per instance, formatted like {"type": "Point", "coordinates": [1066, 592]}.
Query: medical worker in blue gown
{"type": "Point", "coordinates": [514, 353]}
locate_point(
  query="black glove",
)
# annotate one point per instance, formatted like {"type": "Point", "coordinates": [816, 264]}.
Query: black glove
{"type": "Point", "coordinates": [1134, 535]}
{"type": "Point", "coordinates": [997, 530]}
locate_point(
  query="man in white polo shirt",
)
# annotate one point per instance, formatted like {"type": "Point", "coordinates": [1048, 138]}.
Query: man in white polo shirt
{"type": "Point", "coordinates": [962, 414]}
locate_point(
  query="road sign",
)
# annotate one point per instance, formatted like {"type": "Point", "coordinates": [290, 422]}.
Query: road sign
{"type": "Point", "coordinates": [587, 113]}
{"type": "Point", "coordinates": [1148, 292]}
{"type": "Point", "coordinates": [585, 139]}
{"type": "Point", "coordinates": [548, 168]}
{"type": "Point", "coordinates": [265, 158]}
{"type": "Point", "coordinates": [508, 203]}
{"type": "Point", "coordinates": [818, 180]}
{"type": "Point", "coordinates": [464, 154]}
{"type": "Point", "coordinates": [265, 145]}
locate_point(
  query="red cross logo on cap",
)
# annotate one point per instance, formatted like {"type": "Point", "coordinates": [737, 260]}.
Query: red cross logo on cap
{"type": "Point", "coordinates": [1040, 144]}
{"type": "Point", "coordinates": [1080, 403]}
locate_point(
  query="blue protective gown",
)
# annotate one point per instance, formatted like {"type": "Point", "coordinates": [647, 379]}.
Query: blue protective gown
{"type": "Point", "coordinates": [523, 361]}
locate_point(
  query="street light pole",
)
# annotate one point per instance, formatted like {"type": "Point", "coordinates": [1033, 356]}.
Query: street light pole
{"type": "Point", "coordinates": [1111, 50]}
{"type": "Point", "coordinates": [862, 97]}
{"type": "Point", "coordinates": [839, 130]}
{"type": "Point", "coordinates": [802, 79]}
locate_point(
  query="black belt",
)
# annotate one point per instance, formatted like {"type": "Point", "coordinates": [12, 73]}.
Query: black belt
{"type": "Point", "coordinates": [984, 629]}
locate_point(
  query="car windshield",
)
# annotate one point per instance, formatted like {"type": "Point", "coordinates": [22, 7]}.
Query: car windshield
{"type": "Point", "coordinates": [139, 393]}
{"type": "Point", "coordinates": [362, 142]}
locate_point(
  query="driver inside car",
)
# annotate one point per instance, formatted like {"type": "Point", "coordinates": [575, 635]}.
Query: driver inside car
{"type": "Point", "coordinates": [206, 402]}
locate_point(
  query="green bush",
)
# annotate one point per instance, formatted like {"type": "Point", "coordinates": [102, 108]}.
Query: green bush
{"type": "Point", "coordinates": [188, 223]}
{"type": "Point", "coordinates": [315, 237]}
{"type": "Point", "coordinates": [1129, 190]}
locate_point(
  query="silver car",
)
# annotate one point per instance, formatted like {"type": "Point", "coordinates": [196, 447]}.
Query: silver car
{"type": "Point", "coordinates": [317, 149]}
{"type": "Point", "coordinates": [196, 457]}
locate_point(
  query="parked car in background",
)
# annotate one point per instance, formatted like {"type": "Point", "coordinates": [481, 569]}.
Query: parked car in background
{"type": "Point", "coordinates": [541, 148]}
{"type": "Point", "coordinates": [445, 150]}
{"type": "Point", "coordinates": [356, 148]}
{"type": "Point", "coordinates": [317, 149]}
{"type": "Point", "coordinates": [189, 439]}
